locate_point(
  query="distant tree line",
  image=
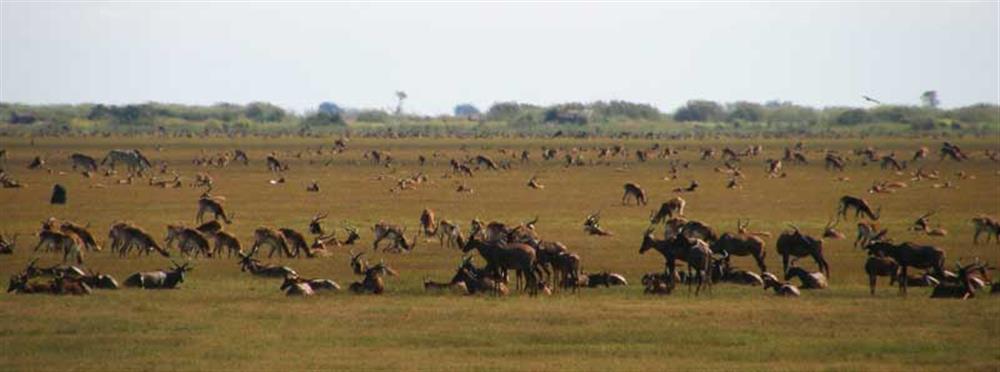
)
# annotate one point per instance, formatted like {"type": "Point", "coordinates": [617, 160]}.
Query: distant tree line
{"type": "Point", "coordinates": [227, 117]}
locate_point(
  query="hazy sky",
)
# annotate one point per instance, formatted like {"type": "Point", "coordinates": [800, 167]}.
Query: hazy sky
{"type": "Point", "coordinates": [298, 55]}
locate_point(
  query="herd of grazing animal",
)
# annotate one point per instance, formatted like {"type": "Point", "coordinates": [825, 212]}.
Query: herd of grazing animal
{"type": "Point", "coordinates": [540, 266]}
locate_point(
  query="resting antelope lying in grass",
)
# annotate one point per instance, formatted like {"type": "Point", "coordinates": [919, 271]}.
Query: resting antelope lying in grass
{"type": "Point", "coordinates": [160, 279]}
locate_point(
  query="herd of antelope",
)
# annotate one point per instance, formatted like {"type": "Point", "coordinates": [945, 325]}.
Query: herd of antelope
{"type": "Point", "coordinates": [540, 265]}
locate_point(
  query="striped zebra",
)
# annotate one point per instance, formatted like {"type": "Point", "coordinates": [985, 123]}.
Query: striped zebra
{"type": "Point", "coordinates": [132, 158]}
{"type": "Point", "coordinates": [83, 161]}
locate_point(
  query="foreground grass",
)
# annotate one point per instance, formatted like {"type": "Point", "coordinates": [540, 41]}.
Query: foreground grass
{"type": "Point", "coordinates": [225, 319]}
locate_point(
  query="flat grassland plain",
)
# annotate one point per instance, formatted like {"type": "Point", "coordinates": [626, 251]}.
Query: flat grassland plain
{"type": "Point", "coordinates": [223, 319]}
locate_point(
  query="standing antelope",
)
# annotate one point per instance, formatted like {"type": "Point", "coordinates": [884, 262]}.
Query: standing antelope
{"type": "Point", "coordinates": [88, 163]}
{"type": "Point", "coordinates": [82, 233]}
{"type": "Point", "coordinates": [986, 224]}
{"type": "Point", "coordinates": [428, 226]}
{"type": "Point", "coordinates": [695, 252]}
{"type": "Point", "coordinates": [448, 233]}
{"type": "Point", "coordinates": [271, 237]}
{"type": "Point", "coordinates": [669, 209]}
{"type": "Point", "coordinates": [909, 254]}
{"type": "Point", "coordinates": [69, 244]}
{"type": "Point", "coordinates": [188, 239]}
{"type": "Point", "coordinates": [796, 244]}
{"type": "Point", "coordinates": [635, 191]}
{"type": "Point", "coordinates": [212, 204]}
{"type": "Point", "coordinates": [741, 245]}
{"type": "Point", "coordinates": [503, 257]}
{"type": "Point", "coordinates": [296, 241]}
{"type": "Point", "coordinates": [868, 232]}
{"type": "Point", "coordinates": [860, 206]}
{"type": "Point", "coordinates": [136, 237]}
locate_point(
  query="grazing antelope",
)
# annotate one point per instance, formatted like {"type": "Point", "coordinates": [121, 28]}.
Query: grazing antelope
{"type": "Point", "coordinates": [503, 257]}
{"type": "Point", "coordinates": [160, 279]}
{"type": "Point", "coordinates": [796, 244]}
{"type": "Point", "coordinates": [273, 238]}
{"type": "Point", "coordinates": [834, 161]}
{"type": "Point", "coordinates": [428, 225]}
{"type": "Point", "coordinates": [952, 151]}
{"type": "Point", "coordinates": [909, 254]}
{"type": "Point", "coordinates": [860, 206]}
{"type": "Point", "coordinates": [483, 160]}
{"type": "Point", "coordinates": [188, 239]}
{"type": "Point", "coordinates": [635, 191]}
{"type": "Point", "coordinates": [240, 156]}
{"type": "Point", "coordinates": [212, 204]}
{"type": "Point", "coordinates": [592, 225]}
{"type": "Point", "coordinates": [695, 252]}
{"type": "Point", "coordinates": [384, 230]}
{"type": "Point", "coordinates": [274, 165]}
{"type": "Point", "coordinates": [922, 153]}
{"type": "Point", "coordinates": [81, 232]}
{"type": "Point", "coordinates": [69, 244]}
{"type": "Point", "coordinates": [133, 159]}
{"type": "Point", "coordinates": [986, 224]}
{"type": "Point", "coordinates": [87, 163]}
{"type": "Point", "coordinates": [669, 209]}
{"type": "Point", "coordinates": [136, 237]}
{"type": "Point", "coordinates": [210, 227]}
{"type": "Point", "coordinates": [780, 288]}
{"type": "Point", "coordinates": [296, 242]}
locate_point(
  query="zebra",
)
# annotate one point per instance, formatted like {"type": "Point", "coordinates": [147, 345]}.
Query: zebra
{"type": "Point", "coordinates": [132, 158]}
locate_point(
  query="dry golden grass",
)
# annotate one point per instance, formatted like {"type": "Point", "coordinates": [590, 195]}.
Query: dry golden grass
{"type": "Point", "coordinates": [224, 319]}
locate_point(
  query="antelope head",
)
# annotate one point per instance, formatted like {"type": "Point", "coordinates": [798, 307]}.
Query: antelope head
{"type": "Point", "coordinates": [314, 224]}
{"type": "Point", "coordinates": [358, 264]}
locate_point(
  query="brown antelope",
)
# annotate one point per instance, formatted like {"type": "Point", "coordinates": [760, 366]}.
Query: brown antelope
{"type": "Point", "coordinates": [774, 168]}
{"type": "Point", "coordinates": [695, 252]}
{"type": "Point", "coordinates": [373, 282]}
{"type": "Point", "coordinates": [860, 206]}
{"type": "Point", "coordinates": [448, 233]}
{"type": "Point", "coordinates": [273, 238]}
{"type": "Point", "coordinates": [965, 286]}
{"type": "Point", "coordinates": [922, 224]}
{"type": "Point", "coordinates": [834, 161]}
{"type": "Point", "coordinates": [533, 183]}
{"type": "Point", "coordinates": [877, 266]}
{"type": "Point", "coordinates": [188, 239]}
{"type": "Point", "coordinates": [741, 245]}
{"type": "Point", "coordinates": [986, 224]}
{"type": "Point", "coordinates": [82, 233]}
{"type": "Point", "coordinates": [921, 154]}
{"type": "Point", "coordinates": [669, 209]}
{"type": "Point", "coordinates": [136, 237]}
{"type": "Point", "coordinates": [592, 225]}
{"type": "Point", "coordinates": [226, 241]}
{"type": "Point", "coordinates": [69, 244]}
{"type": "Point", "coordinates": [830, 231]}
{"type": "Point", "coordinates": [909, 255]}
{"type": "Point", "coordinates": [868, 232]}
{"type": "Point", "coordinates": [296, 242]}
{"type": "Point", "coordinates": [635, 191]}
{"type": "Point", "coordinates": [212, 204]}
{"type": "Point", "coordinates": [744, 228]}
{"type": "Point", "coordinates": [691, 188]}
{"type": "Point", "coordinates": [209, 228]}
{"type": "Point", "coordinates": [428, 225]}
{"type": "Point", "coordinates": [503, 257]}
{"type": "Point", "coordinates": [796, 244]}
{"type": "Point", "coordinates": [952, 151]}
{"type": "Point", "coordinates": [274, 165]}
{"type": "Point", "coordinates": [384, 230]}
